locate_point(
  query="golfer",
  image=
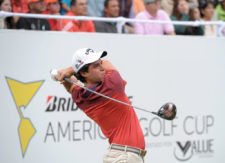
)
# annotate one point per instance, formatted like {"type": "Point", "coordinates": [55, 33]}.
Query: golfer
{"type": "Point", "coordinates": [118, 122]}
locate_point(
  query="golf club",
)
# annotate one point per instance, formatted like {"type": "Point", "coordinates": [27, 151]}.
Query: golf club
{"type": "Point", "coordinates": [167, 111]}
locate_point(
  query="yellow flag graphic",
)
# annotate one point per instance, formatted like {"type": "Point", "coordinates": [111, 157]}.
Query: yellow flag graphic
{"type": "Point", "coordinates": [22, 94]}
{"type": "Point", "coordinates": [26, 132]}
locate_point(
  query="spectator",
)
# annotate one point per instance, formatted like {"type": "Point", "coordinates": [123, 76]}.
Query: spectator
{"type": "Point", "coordinates": [6, 23]}
{"type": "Point", "coordinates": [180, 13]}
{"type": "Point", "coordinates": [167, 5]}
{"type": "Point", "coordinates": [95, 7]}
{"type": "Point", "coordinates": [65, 6]}
{"type": "Point", "coordinates": [78, 8]}
{"type": "Point", "coordinates": [220, 10]}
{"type": "Point", "coordinates": [202, 2]}
{"type": "Point", "coordinates": [126, 8]}
{"type": "Point", "coordinates": [194, 15]}
{"type": "Point", "coordinates": [35, 7]}
{"type": "Point", "coordinates": [20, 6]}
{"type": "Point", "coordinates": [53, 8]}
{"type": "Point", "coordinates": [138, 6]}
{"type": "Point", "coordinates": [153, 12]}
{"type": "Point", "coordinates": [111, 9]}
{"type": "Point", "coordinates": [207, 13]}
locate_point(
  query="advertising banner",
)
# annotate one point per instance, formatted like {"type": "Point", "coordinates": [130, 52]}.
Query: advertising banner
{"type": "Point", "coordinates": [40, 123]}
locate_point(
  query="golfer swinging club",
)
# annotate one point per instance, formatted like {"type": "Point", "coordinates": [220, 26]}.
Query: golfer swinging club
{"type": "Point", "coordinates": [118, 122]}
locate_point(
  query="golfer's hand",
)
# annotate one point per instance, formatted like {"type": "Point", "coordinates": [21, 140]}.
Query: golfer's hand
{"type": "Point", "coordinates": [65, 73]}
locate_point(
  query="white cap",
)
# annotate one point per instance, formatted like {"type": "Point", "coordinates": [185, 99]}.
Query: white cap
{"type": "Point", "coordinates": [85, 56]}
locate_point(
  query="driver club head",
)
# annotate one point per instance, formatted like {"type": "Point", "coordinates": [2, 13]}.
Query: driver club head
{"type": "Point", "coordinates": [168, 111]}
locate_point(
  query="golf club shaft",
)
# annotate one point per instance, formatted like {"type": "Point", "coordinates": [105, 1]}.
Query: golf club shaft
{"type": "Point", "coordinates": [107, 97]}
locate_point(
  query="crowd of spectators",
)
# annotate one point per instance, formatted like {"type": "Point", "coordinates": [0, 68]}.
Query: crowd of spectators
{"type": "Point", "coordinates": [163, 10]}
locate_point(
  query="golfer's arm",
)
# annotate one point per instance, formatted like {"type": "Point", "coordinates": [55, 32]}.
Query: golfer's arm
{"type": "Point", "coordinates": [67, 72]}
{"type": "Point", "coordinates": [68, 86]}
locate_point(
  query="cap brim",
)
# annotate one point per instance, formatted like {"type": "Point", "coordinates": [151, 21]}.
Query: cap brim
{"type": "Point", "coordinates": [104, 53]}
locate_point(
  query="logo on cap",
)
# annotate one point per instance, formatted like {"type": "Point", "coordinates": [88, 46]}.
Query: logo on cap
{"type": "Point", "coordinates": [79, 63]}
{"type": "Point", "coordinates": [88, 51]}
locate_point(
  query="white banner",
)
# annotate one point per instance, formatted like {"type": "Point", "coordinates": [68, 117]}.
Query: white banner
{"type": "Point", "coordinates": [39, 122]}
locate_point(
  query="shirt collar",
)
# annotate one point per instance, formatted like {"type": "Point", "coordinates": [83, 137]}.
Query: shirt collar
{"type": "Point", "coordinates": [149, 16]}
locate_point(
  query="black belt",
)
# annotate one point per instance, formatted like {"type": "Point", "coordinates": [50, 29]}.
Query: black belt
{"type": "Point", "coordinates": [137, 151]}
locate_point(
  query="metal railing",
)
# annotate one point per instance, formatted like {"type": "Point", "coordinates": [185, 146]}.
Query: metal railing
{"type": "Point", "coordinates": [220, 24]}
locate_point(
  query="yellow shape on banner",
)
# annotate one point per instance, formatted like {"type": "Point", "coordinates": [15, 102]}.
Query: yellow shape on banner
{"type": "Point", "coordinates": [26, 132]}
{"type": "Point", "coordinates": [23, 92]}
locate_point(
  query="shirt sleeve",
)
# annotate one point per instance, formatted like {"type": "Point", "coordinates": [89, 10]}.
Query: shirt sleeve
{"type": "Point", "coordinates": [115, 81]}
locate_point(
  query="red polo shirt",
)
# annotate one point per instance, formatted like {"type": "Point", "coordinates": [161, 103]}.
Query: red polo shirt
{"type": "Point", "coordinates": [118, 122]}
